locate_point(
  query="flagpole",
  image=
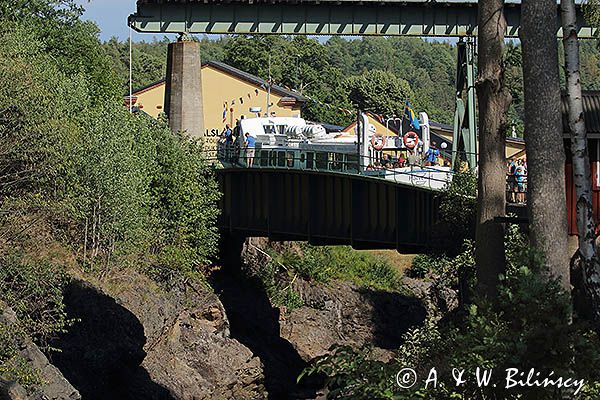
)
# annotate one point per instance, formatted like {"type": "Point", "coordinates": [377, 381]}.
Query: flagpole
{"type": "Point", "coordinates": [130, 72]}
{"type": "Point", "coordinates": [269, 88]}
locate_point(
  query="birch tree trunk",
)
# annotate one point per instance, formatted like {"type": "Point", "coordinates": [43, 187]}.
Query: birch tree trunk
{"type": "Point", "coordinates": [543, 136]}
{"type": "Point", "coordinates": [582, 175]}
{"type": "Point", "coordinates": [494, 100]}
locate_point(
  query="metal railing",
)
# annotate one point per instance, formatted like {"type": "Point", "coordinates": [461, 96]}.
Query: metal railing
{"type": "Point", "coordinates": [420, 175]}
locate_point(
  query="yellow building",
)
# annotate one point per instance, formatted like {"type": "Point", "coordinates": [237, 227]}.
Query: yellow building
{"type": "Point", "coordinates": [229, 92]}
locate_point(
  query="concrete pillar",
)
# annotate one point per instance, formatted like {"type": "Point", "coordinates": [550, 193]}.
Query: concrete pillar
{"type": "Point", "coordinates": [183, 93]}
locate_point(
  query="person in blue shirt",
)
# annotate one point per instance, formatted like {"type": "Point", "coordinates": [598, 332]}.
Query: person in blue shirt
{"type": "Point", "coordinates": [521, 179]}
{"type": "Point", "coordinates": [228, 133]}
{"type": "Point", "coordinates": [228, 136]}
{"type": "Point", "coordinates": [250, 146]}
{"type": "Point", "coordinates": [432, 155]}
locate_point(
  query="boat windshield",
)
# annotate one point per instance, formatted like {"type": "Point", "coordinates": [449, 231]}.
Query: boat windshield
{"type": "Point", "coordinates": [269, 129]}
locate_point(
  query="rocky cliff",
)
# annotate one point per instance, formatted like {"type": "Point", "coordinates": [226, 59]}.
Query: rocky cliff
{"type": "Point", "coordinates": [137, 341]}
{"type": "Point", "coordinates": [53, 385]}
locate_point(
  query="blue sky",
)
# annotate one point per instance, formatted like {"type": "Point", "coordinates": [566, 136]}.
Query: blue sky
{"type": "Point", "coordinates": [111, 17]}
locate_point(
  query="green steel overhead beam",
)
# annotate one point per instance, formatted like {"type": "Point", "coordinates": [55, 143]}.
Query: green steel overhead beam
{"type": "Point", "coordinates": [450, 18]}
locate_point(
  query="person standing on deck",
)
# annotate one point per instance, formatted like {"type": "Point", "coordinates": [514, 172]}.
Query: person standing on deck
{"type": "Point", "coordinates": [250, 146]}
{"type": "Point", "coordinates": [432, 155]}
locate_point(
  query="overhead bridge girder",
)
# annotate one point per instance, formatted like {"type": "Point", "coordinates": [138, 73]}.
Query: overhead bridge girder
{"type": "Point", "coordinates": [394, 18]}
{"type": "Point", "coordinates": [326, 208]}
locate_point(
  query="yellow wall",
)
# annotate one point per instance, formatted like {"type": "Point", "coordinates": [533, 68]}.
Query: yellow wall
{"type": "Point", "coordinates": [380, 128]}
{"type": "Point", "coordinates": [152, 100]}
{"type": "Point", "coordinates": [512, 147]}
{"type": "Point", "coordinates": [217, 88]}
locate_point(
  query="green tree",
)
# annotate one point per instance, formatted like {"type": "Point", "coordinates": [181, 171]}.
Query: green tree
{"type": "Point", "coordinates": [379, 91]}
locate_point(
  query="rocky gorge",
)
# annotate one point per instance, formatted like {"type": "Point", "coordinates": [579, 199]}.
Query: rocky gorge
{"type": "Point", "coordinates": [134, 339]}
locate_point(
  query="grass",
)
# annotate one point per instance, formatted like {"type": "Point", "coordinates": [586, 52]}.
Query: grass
{"type": "Point", "coordinates": [328, 263]}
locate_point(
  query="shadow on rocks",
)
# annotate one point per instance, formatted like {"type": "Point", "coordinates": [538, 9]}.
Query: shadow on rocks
{"type": "Point", "coordinates": [392, 315]}
{"type": "Point", "coordinates": [102, 352]}
{"type": "Point", "coordinates": [255, 324]}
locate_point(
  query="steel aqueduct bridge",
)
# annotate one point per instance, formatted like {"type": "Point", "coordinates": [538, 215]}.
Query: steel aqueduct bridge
{"type": "Point", "coordinates": [324, 207]}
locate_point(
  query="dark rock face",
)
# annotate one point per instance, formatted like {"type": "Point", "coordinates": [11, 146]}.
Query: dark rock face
{"type": "Point", "coordinates": [339, 313]}
{"type": "Point", "coordinates": [144, 343]}
{"type": "Point", "coordinates": [137, 341]}
{"type": "Point", "coordinates": [196, 358]}
{"type": "Point", "coordinates": [102, 353]}
{"type": "Point", "coordinates": [256, 324]}
{"type": "Point", "coordinates": [12, 391]}
{"type": "Point", "coordinates": [344, 314]}
{"type": "Point", "coordinates": [438, 300]}
{"type": "Point", "coordinates": [55, 386]}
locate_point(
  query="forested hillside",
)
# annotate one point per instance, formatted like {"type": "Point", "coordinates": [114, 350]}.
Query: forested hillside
{"type": "Point", "coordinates": [84, 185]}
{"type": "Point", "coordinates": [331, 71]}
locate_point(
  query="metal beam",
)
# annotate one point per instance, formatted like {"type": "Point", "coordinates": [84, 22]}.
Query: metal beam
{"type": "Point", "coordinates": [452, 18]}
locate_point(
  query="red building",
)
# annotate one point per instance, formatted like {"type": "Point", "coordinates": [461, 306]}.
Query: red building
{"type": "Point", "coordinates": [591, 107]}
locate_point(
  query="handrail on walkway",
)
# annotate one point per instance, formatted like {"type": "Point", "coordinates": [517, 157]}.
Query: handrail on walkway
{"type": "Point", "coordinates": [431, 177]}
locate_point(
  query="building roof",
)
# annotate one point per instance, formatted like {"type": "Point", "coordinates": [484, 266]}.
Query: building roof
{"type": "Point", "coordinates": [591, 111]}
{"type": "Point", "coordinates": [245, 76]}
{"type": "Point", "coordinates": [255, 80]}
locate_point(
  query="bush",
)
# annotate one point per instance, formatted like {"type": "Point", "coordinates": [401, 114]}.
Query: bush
{"type": "Point", "coordinates": [33, 289]}
{"type": "Point", "coordinates": [528, 326]}
{"type": "Point", "coordinates": [458, 210]}
{"type": "Point", "coordinates": [184, 197]}
{"type": "Point", "coordinates": [424, 265]}
{"type": "Point", "coordinates": [277, 284]}
{"type": "Point", "coordinates": [326, 263]}
{"type": "Point", "coordinates": [13, 366]}
{"type": "Point", "coordinates": [119, 185]}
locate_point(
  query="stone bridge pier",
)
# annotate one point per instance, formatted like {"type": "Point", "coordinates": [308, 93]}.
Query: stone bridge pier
{"type": "Point", "coordinates": [183, 93]}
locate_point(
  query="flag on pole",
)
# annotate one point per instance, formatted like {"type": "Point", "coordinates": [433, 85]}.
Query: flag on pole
{"type": "Point", "coordinates": [225, 113]}
{"type": "Point", "coordinates": [412, 117]}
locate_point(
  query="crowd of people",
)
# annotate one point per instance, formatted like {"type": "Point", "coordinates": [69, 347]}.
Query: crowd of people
{"type": "Point", "coordinates": [231, 142]}
{"type": "Point", "coordinates": [411, 158]}
{"type": "Point", "coordinates": [517, 180]}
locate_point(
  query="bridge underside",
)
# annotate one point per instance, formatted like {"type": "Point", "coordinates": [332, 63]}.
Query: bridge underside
{"type": "Point", "coordinates": [406, 18]}
{"type": "Point", "coordinates": [328, 209]}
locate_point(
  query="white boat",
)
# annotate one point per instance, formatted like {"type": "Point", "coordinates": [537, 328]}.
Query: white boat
{"type": "Point", "coordinates": [292, 143]}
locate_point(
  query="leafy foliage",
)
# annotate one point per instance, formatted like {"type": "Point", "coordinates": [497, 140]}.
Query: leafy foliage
{"type": "Point", "coordinates": [150, 59]}
{"type": "Point", "coordinates": [320, 70]}
{"type": "Point", "coordinates": [119, 183]}
{"type": "Point", "coordinates": [379, 91]}
{"type": "Point", "coordinates": [13, 366]}
{"type": "Point", "coordinates": [326, 263]}
{"type": "Point", "coordinates": [425, 264]}
{"type": "Point", "coordinates": [528, 327]}
{"type": "Point", "coordinates": [184, 198]}
{"type": "Point", "coordinates": [324, 70]}
{"type": "Point", "coordinates": [278, 286]}
{"type": "Point", "coordinates": [78, 169]}
{"type": "Point", "coordinates": [34, 292]}
{"type": "Point", "coordinates": [457, 209]}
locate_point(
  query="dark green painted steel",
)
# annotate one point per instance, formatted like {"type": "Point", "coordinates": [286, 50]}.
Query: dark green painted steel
{"type": "Point", "coordinates": [327, 208]}
{"type": "Point", "coordinates": [396, 18]}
